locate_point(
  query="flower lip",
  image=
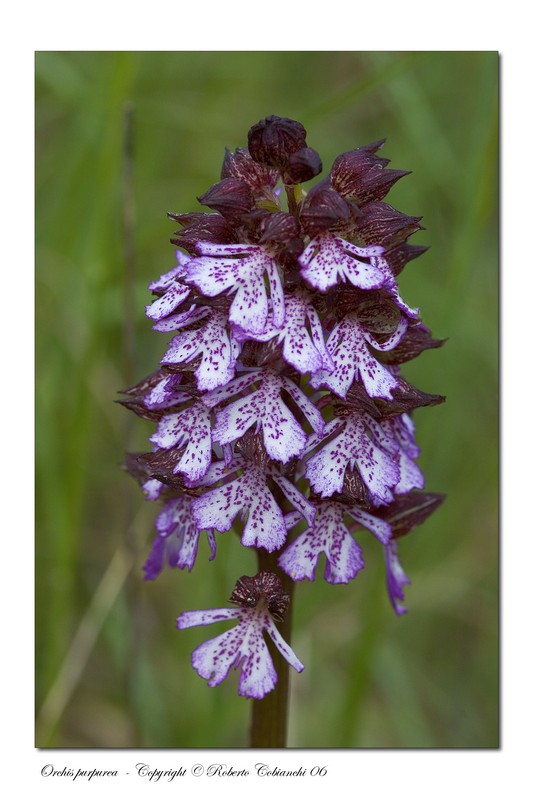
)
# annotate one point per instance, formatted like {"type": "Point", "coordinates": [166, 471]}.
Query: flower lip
{"type": "Point", "coordinates": [265, 587]}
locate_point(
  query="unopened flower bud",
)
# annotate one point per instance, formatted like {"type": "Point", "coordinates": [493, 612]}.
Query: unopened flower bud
{"type": "Point", "coordinates": [273, 140]}
{"type": "Point", "coordinates": [302, 165]}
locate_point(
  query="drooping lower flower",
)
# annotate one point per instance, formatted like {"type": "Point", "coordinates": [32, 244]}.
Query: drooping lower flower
{"type": "Point", "coordinates": [177, 540]}
{"type": "Point", "coordinates": [262, 600]}
{"type": "Point", "coordinates": [396, 578]}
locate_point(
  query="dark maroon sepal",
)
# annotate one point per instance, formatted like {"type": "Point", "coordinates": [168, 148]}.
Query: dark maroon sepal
{"type": "Point", "coordinates": [377, 184]}
{"type": "Point", "coordinates": [379, 316]}
{"type": "Point", "coordinates": [322, 209]}
{"type": "Point", "coordinates": [273, 140]}
{"type": "Point", "coordinates": [399, 256]}
{"type": "Point", "coordinates": [249, 591]}
{"type": "Point", "coordinates": [138, 471]}
{"type": "Point", "coordinates": [373, 147]}
{"type": "Point", "coordinates": [279, 227]}
{"type": "Point", "coordinates": [242, 166]}
{"type": "Point", "coordinates": [354, 491]}
{"type": "Point", "coordinates": [160, 464]}
{"type": "Point", "coordinates": [415, 340]}
{"type": "Point", "coordinates": [362, 175]}
{"type": "Point", "coordinates": [200, 226]}
{"type": "Point", "coordinates": [356, 401]}
{"type": "Point", "coordinates": [409, 511]}
{"type": "Point", "coordinates": [406, 398]}
{"type": "Point", "coordinates": [382, 224]}
{"type": "Point", "coordinates": [140, 409]}
{"type": "Point", "coordinates": [231, 197]}
{"type": "Point", "coordinates": [132, 466]}
{"type": "Point", "coordinates": [349, 170]}
{"type": "Point", "coordinates": [252, 448]}
{"type": "Point", "coordinates": [302, 165]}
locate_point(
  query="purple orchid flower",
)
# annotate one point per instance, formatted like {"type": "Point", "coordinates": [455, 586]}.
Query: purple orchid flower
{"type": "Point", "coordinates": [279, 405]}
{"type": "Point", "coordinates": [329, 535]}
{"type": "Point", "coordinates": [240, 269]}
{"type": "Point", "coordinates": [262, 603]}
{"type": "Point", "coordinates": [177, 540]}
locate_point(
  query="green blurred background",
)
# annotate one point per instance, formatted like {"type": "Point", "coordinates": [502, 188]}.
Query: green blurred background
{"type": "Point", "coordinates": [111, 669]}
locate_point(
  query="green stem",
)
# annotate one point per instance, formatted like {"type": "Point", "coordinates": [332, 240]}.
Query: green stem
{"type": "Point", "coordinates": [270, 714]}
{"type": "Point", "coordinates": [292, 200]}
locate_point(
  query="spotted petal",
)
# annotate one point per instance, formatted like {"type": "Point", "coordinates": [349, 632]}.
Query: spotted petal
{"type": "Point", "coordinates": [282, 645]}
{"type": "Point", "coordinates": [401, 429]}
{"type": "Point", "coordinates": [240, 269]}
{"type": "Point", "coordinates": [201, 618]}
{"type": "Point", "coordinates": [303, 348]}
{"type": "Point", "coordinates": [396, 578]}
{"type": "Point", "coordinates": [282, 434]}
{"type": "Point", "coordinates": [295, 497]}
{"type": "Point", "coordinates": [330, 536]}
{"type": "Point", "coordinates": [177, 539]}
{"type": "Point", "coordinates": [250, 496]}
{"type": "Point", "coordinates": [164, 394]}
{"type": "Point", "coordinates": [166, 280]}
{"type": "Point", "coordinates": [171, 299]}
{"type": "Point", "coordinates": [329, 259]}
{"type": "Point", "coordinates": [241, 647]}
{"type": "Point", "coordinates": [212, 344]}
{"type": "Point", "coordinates": [351, 358]}
{"type": "Point", "coordinates": [152, 489]}
{"type": "Point", "coordinates": [191, 428]}
{"type": "Point", "coordinates": [353, 447]}
{"type": "Point", "coordinates": [392, 287]}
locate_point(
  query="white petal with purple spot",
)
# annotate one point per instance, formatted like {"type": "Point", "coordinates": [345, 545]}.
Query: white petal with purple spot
{"type": "Point", "coordinates": [240, 270]}
{"type": "Point", "coordinates": [168, 303]}
{"type": "Point", "coordinates": [177, 540]}
{"type": "Point", "coordinates": [396, 578]}
{"type": "Point", "coordinates": [303, 348]}
{"type": "Point", "coordinates": [283, 436]}
{"type": "Point", "coordinates": [242, 647]}
{"type": "Point", "coordinates": [330, 536]}
{"type": "Point", "coordinates": [352, 447]}
{"type": "Point", "coordinates": [212, 344]}
{"type": "Point", "coordinates": [351, 359]}
{"type": "Point", "coordinates": [329, 259]}
{"type": "Point", "coordinates": [250, 496]}
{"type": "Point", "coordinates": [191, 428]}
